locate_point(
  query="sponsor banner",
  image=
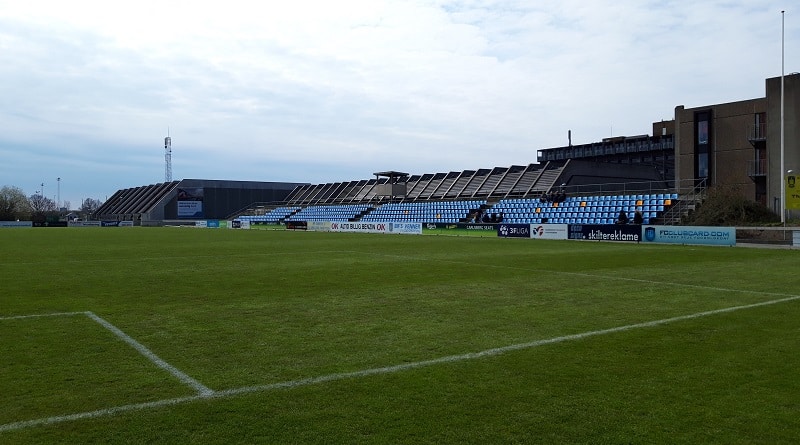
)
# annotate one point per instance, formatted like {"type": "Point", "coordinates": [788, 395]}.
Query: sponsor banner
{"type": "Point", "coordinates": [405, 228]}
{"type": "Point", "coordinates": [16, 224]}
{"type": "Point", "coordinates": [202, 224]}
{"type": "Point", "coordinates": [411, 228]}
{"type": "Point", "coordinates": [297, 225]}
{"type": "Point", "coordinates": [605, 232]}
{"type": "Point", "coordinates": [50, 224]}
{"type": "Point", "coordinates": [408, 228]}
{"type": "Point", "coordinates": [713, 236]}
{"type": "Point", "coordinates": [212, 224]}
{"type": "Point", "coordinates": [316, 226]}
{"type": "Point", "coordinates": [190, 203]}
{"type": "Point", "coordinates": [792, 192]}
{"type": "Point", "coordinates": [85, 224]}
{"type": "Point", "coordinates": [116, 223]}
{"type": "Point", "coordinates": [460, 229]}
{"type": "Point", "coordinates": [239, 224]}
{"type": "Point", "coordinates": [514, 230]}
{"type": "Point", "coordinates": [479, 227]}
{"type": "Point", "coordinates": [190, 209]}
{"type": "Point", "coordinates": [549, 231]}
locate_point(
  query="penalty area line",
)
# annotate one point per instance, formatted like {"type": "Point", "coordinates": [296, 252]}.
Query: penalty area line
{"type": "Point", "coordinates": [373, 371]}
{"type": "Point", "coordinates": [53, 314]}
{"type": "Point", "coordinates": [180, 375]}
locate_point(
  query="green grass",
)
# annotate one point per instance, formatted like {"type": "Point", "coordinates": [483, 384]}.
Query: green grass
{"type": "Point", "coordinates": [237, 309]}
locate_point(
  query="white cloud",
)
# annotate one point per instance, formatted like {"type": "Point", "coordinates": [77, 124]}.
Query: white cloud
{"type": "Point", "coordinates": [276, 90]}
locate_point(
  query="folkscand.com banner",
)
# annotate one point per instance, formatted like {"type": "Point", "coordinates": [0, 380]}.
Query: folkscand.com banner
{"type": "Point", "coordinates": [713, 236]}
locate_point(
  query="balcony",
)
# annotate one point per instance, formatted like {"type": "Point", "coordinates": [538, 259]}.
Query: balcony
{"type": "Point", "coordinates": [757, 133]}
{"type": "Point", "coordinates": [757, 168]}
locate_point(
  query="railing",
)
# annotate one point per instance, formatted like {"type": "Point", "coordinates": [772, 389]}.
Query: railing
{"type": "Point", "coordinates": [757, 168]}
{"type": "Point", "coordinates": [757, 132]}
{"type": "Point", "coordinates": [617, 188]}
{"type": "Point", "coordinates": [690, 192]}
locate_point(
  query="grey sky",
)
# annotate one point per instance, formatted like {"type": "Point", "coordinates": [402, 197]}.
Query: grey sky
{"type": "Point", "coordinates": [320, 91]}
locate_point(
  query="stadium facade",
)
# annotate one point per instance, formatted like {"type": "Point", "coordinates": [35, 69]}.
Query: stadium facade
{"type": "Point", "coordinates": [736, 144]}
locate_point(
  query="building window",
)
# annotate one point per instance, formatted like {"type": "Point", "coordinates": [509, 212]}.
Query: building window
{"type": "Point", "coordinates": [702, 133]}
{"type": "Point", "coordinates": [702, 165]}
{"type": "Point", "coordinates": [702, 144]}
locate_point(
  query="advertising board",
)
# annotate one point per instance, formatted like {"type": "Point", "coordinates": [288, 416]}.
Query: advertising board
{"type": "Point", "coordinates": [605, 232]}
{"type": "Point", "coordinates": [190, 203]}
{"type": "Point", "coordinates": [297, 225]}
{"type": "Point", "coordinates": [16, 224]}
{"type": "Point", "coordinates": [461, 229]}
{"type": "Point", "coordinates": [712, 236]}
{"type": "Point", "coordinates": [514, 230]}
{"type": "Point", "coordinates": [409, 228]}
{"type": "Point", "coordinates": [549, 231]}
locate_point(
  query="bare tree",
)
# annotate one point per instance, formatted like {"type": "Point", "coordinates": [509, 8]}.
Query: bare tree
{"type": "Point", "coordinates": [89, 206]}
{"type": "Point", "coordinates": [13, 204]}
{"type": "Point", "coordinates": [41, 204]}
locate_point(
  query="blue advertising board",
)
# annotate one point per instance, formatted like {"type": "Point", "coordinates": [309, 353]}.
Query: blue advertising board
{"type": "Point", "coordinates": [713, 236]}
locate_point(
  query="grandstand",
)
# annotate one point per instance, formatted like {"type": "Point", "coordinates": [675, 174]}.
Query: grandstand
{"type": "Point", "coordinates": [592, 209]}
{"type": "Point", "coordinates": [449, 197]}
{"type": "Point", "coordinates": [189, 199]}
{"type": "Point", "coordinates": [444, 197]}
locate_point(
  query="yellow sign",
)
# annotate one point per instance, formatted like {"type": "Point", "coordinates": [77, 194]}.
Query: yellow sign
{"type": "Point", "coordinates": [792, 192]}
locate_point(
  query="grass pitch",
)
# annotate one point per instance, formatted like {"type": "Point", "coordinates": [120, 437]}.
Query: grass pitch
{"type": "Point", "coordinates": [352, 338]}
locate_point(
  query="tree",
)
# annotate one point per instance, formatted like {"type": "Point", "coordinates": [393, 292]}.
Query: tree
{"type": "Point", "coordinates": [41, 204]}
{"type": "Point", "coordinates": [13, 204]}
{"type": "Point", "coordinates": [89, 206]}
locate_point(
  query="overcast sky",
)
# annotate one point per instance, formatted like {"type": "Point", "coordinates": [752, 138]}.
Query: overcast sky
{"type": "Point", "coordinates": [325, 91]}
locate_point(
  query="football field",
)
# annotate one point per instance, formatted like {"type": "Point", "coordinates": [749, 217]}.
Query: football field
{"type": "Point", "coordinates": [182, 335]}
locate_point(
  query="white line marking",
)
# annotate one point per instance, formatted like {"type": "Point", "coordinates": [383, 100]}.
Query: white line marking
{"type": "Point", "coordinates": [55, 314]}
{"type": "Point", "coordinates": [587, 275]}
{"type": "Point", "coordinates": [374, 371]}
{"type": "Point", "coordinates": [199, 387]}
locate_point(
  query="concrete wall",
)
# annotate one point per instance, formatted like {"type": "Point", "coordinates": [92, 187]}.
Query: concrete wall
{"type": "Point", "coordinates": [791, 133]}
{"type": "Point", "coordinates": [730, 148]}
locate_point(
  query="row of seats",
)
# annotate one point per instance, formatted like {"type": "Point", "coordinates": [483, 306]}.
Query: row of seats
{"type": "Point", "coordinates": [329, 213]}
{"type": "Point", "coordinates": [572, 210]}
{"type": "Point", "coordinates": [584, 209]}
{"type": "Point", "coordinates": [442, 212]}
{"type": "Point", "coordinates": [273, 216]}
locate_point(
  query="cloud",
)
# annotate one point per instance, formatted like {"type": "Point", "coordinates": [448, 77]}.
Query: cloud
{"type": "Point", "coordinates": [316, 91]}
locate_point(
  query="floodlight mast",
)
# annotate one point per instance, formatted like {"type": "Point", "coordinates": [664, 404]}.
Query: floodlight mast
{"type": "Point", "coordinates": [168, 158]}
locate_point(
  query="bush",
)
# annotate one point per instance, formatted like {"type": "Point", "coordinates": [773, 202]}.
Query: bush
{"type": "Point", "coordinates": [726, 206]}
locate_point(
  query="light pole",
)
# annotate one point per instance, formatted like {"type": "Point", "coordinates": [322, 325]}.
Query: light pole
{"type": "Point", "coordinates": [783, 157]}
{"type": "Point", "coordinates": [58, 201]}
